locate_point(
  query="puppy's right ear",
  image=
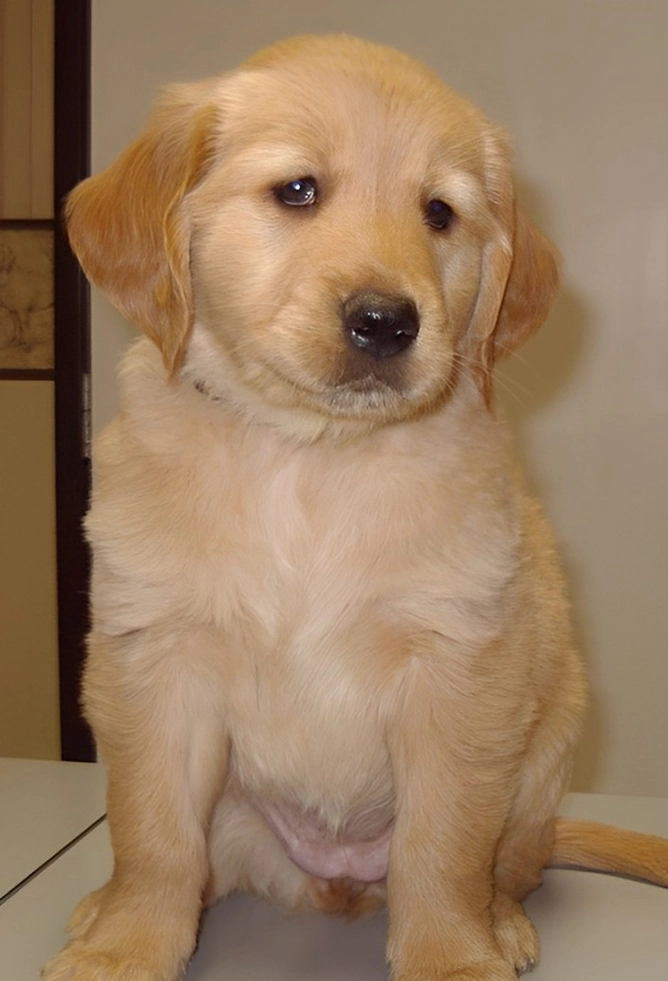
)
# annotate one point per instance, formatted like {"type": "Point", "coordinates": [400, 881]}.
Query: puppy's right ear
{"type": "Point", "coordinates": [129, 225]}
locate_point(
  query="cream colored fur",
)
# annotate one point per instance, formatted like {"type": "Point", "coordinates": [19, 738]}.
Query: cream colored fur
{"type": "Point", "coordinates": [320, 587]}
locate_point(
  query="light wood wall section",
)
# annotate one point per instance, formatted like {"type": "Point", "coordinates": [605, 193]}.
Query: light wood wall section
{"type": "Point", "coordinates": [29, 723]}
{"type": "Point", "coordinates": [26, 108]}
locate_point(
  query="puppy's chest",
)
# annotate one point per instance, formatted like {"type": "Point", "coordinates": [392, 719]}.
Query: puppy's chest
{"type": "Point", "coordinates": [285, 549]}
{"type": "Point", "coordinates": [294, 550]}
{"type": "Point", "coordinates": [313, 640]}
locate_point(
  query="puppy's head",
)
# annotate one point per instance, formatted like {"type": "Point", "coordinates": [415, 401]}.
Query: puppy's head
{"type": "Point", "coordinates": [329, 229]}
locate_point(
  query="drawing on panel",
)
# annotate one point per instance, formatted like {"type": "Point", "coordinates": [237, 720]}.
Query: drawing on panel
{"type": "Point", "coordinates": [26, 298]}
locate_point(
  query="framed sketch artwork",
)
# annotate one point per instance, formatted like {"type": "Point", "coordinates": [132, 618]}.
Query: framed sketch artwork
{"type": "Point", "coordinates": [26, 297]}
{"type": "Point", "coordinates": [26, 189]}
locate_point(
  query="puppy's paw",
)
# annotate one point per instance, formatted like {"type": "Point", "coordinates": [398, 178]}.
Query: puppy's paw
{"type": "Point", "coordinates": [345, 897]}
{"type": "Point", "coordinates": [515, 934]}
{"type": "Point", "coordinates": [84, 962]}
{"type": "Point", "coordinates": [86, 913]}
{"type": "Point", "coordinates": [492, 969]}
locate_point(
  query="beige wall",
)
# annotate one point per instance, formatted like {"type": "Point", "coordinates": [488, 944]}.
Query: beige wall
{"type": "Point", "coordinates": [581, 84]}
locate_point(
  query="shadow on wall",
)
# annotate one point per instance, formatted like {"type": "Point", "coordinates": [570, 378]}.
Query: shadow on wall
{"type": "Point", "coordinates": [527, 382]}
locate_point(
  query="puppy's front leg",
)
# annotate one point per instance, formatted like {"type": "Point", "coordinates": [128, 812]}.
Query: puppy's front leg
{"type": "Point", "coordinates": [161, 735]}
{"type": "Point", "coordinates": [453, 774]}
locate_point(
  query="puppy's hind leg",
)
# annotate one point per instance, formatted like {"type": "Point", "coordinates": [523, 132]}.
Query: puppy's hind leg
{"type": "Point", "coordinates": [245, 855]}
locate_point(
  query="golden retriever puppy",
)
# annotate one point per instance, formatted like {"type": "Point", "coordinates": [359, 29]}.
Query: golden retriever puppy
{"type": "Point", "coordinates": [331, 659]}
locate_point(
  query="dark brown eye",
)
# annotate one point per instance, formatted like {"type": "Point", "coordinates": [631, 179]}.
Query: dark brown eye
{"type": "Point", "coordinates": [299, 193]}
{"type": "Point", "coordinates": [438, 215]}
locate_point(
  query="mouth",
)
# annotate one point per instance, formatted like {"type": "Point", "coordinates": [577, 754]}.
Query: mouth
{"type": "Point", "coordinates": [369, 384]}
{"type": "Point", "coordinates": [362, 396]}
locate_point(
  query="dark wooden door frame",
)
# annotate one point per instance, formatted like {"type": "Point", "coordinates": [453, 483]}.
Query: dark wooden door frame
{"type": "Point", "coordinates": [72, 369]}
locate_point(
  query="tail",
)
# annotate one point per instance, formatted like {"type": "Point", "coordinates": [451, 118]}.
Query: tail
{"type": "Point", "coordinates": [601, 848]}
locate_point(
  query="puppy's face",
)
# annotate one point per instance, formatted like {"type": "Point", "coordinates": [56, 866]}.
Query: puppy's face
{"type": "Point", "coordinates": [338, 227]}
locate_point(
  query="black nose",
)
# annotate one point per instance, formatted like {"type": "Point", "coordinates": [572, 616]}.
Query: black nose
{"type": "Point", "coordinates": [380, 324]}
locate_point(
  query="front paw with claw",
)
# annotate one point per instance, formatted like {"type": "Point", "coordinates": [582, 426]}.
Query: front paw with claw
{"type": "Point", "coordinates": [81, 961]}
{"type": "Point", "coordinates": [494, 969]}
{"type": "Point", "coordinates": [137, 939]}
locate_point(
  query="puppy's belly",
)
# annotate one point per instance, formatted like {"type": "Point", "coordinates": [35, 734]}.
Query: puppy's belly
{"type": "Point", "coordinates": [356, 854]}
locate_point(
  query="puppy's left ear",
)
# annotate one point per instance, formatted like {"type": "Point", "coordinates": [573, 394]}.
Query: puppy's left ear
{"type": "Point", "coordinates": [517, 289]}
{"type": "Point", "coordinates": [531, 288]}
{"type": "Point", "coordinates": [521, 284]}
{"type": "Point", "coordinates": [519, 274]}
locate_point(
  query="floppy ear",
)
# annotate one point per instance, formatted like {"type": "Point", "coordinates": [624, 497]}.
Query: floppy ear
{"type": "Point", "coordinates": [129, 226]}
{"type": "Point", "coordinates": [531, 287]}
{"type": "Point", "coordinates": [518, 286]}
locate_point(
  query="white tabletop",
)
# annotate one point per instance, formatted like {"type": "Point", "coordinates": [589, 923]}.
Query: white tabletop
{"type": "Point", "coordinates": [44, 806]}
{"type": "Point", "coordinates": [592, 927]}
